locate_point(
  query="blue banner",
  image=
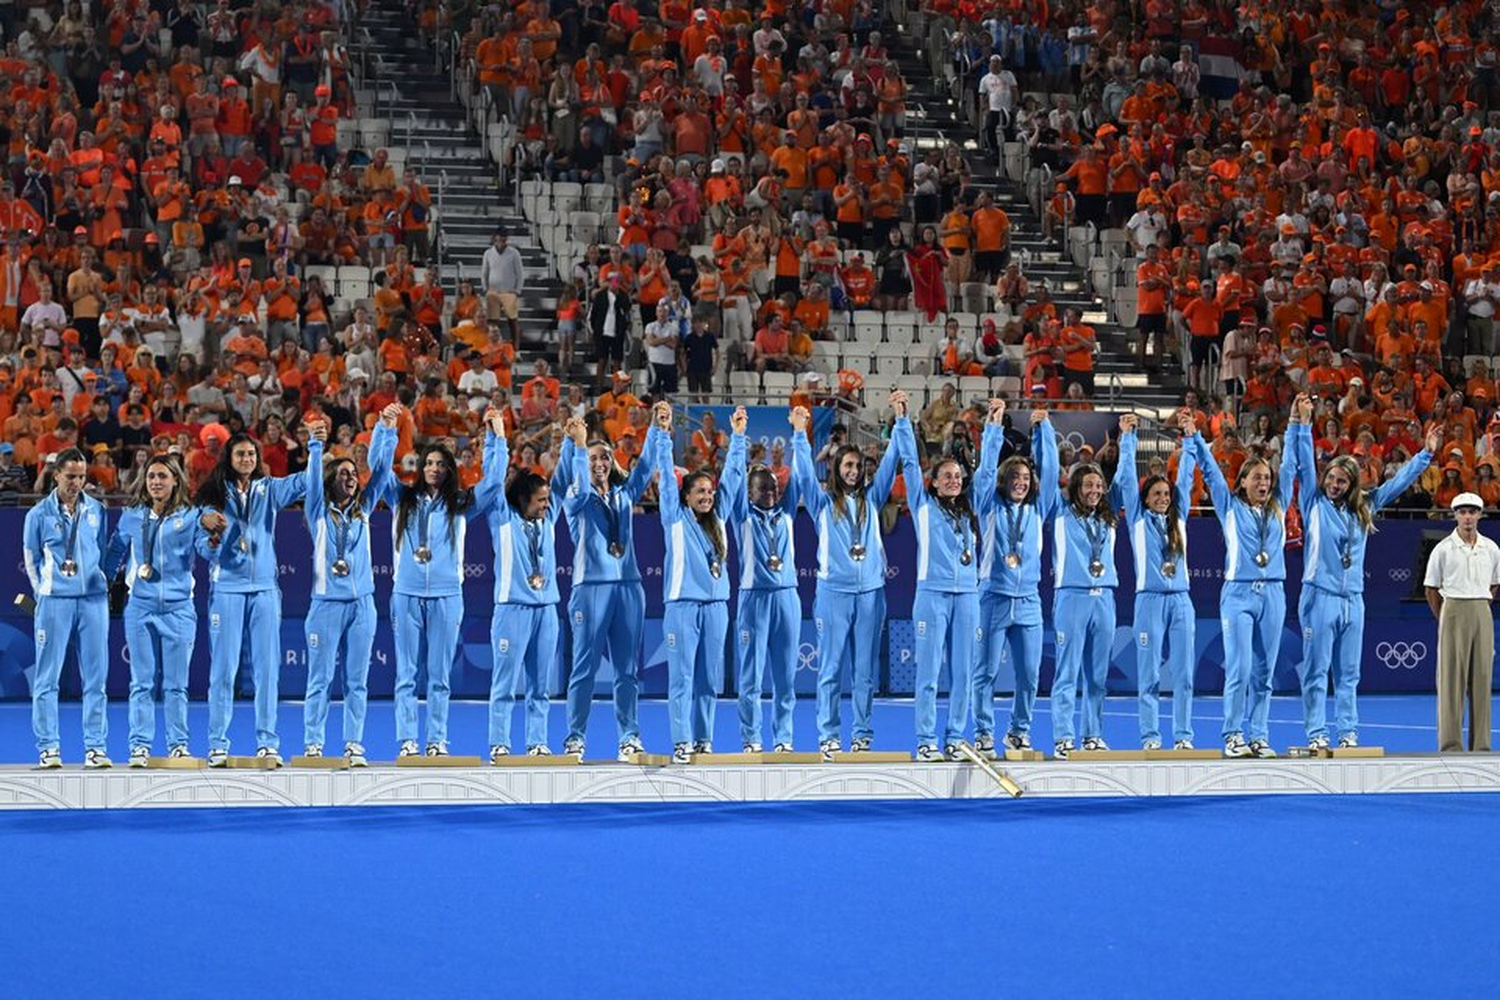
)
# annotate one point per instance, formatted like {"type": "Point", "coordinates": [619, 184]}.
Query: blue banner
{"type": "Point", "coordinates": [1400, 649]}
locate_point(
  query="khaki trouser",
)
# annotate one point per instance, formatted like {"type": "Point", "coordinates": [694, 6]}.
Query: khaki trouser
{"type": "Point", "coordinates": [1466, 659]}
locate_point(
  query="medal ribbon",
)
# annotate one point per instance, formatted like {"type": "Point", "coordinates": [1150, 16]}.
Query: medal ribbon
{"type": "Point", "coordinates": [149, 533]}
{"type": "Point", "coordinates": [1015, 519]}
{"type": "Point", "coordinates": [534, 545]}
{"type": "Point", "coordinates": [1096, 538]}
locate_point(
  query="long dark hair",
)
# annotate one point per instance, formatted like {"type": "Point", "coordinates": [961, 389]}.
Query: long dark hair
{"type": "Point", "coordinates": [709, 519]}
{"type": "Point", "coordinates": [1174, 510]}
{"type": "Point", "coordinates": [456, 500]}
{"type": "Point", "coordinates": [330, 472]}
{"type": "Point", "coordinates": [1007, 469]}
{"type": "Point", "coordinates": [215, 489]}
{"type": "Point", "coordinates": [837, 491]}
{"type": "Point", "coordinates": [521, 488]}
{"type": "Point", "coordinates": [1104, 510]}
{"type": "Point", "coordinates": [617, 475]}
{"type": "Point", "coordinates": [956, 506]}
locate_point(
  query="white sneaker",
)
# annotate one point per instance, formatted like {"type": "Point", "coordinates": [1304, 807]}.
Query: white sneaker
{"type": "Point", "coordinates": [1095, 743]}
{"type": "Point", "coordinates": [539, 750]}
{"type": "Point", "coordinates": [49, 760]}
{"type": "Point", "coordinates": [703, 746]}
{"type": "Point", "coordinates": [437, 749]}
{"type": "Point", "coordinates": [782, 748]}
{"type": "Point", "coordinates": [313, 750]}
{"type": "Point", "coordinates": [1183, 745]}
{"type": "Point", "coordinates": [1318, 743]}
{"type": "Point", "coordinates": [952, 752]}
{"type": "Point", "coordinates": [1017, 741]}
{"type": "Point", "coordinates": [1062, 748]}
{"type": "Point", "coordinates": [1150, 744]}
{"type": "Point", "coordinates": [218, 758]}
{"type": "Point", "coordinates": [96, 760]}
{"type": "Point", "coordinates": [752, 748]}
{"type": "Point", "coordinates": [629, 747]}
{"type": "Point", "coordinates": [829, 747]}
{"type": "Point", "coordinates": [1260, 748]}
{"type": "Point", "coordinates": [860, 744]}
{"type": "Point", "coordinates": [1348, 741]}
{"type": "Point", "coordinates": [682, 754]}
{"type": "Point", "coordinates": [984, 745]}
{"type": "Point", "coordinates": [180, 750]}
{"type": "Point", "coordinates": [271, 754]}
{"type": "Point", "coordinates": [928, 752]}
{"type": "Point", "coordinates": [574, 746]}
{"type": "Point", "coordinates": [1235, 746]}
{"type": "Point", "coordinates": [408, 749]}
{"type": "Point", "coordinates": [140, 756]}
{"type": "Point", "coordinates": [497, 751]}
{"type": "Point", "coordinates": [354, 753]}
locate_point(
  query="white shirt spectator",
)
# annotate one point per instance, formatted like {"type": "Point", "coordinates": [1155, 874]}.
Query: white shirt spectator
{"type": "Point", "coordinates": [1481, 296]}
{"type": "Point", "coordinates": [471, 383]}
{"type": "Point", "coordinates": [1000, 88]}
{"type": "Point", "coordinates": [45, 315]}
{"type": "Point", "coordinates": [1146, 226]}
{"type": "Point", "coordinates": [1463, 572]}
{"type": "Point", "coordinates": [665, 353]}
{"type": "Point", "coordinates": [1348, 295]}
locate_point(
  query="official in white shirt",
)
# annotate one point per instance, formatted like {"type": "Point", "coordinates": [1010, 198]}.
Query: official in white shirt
{"type": "Point", "coordinates": [1463, 577]}
{"type": "Point", "coordinates": [1480, 296]}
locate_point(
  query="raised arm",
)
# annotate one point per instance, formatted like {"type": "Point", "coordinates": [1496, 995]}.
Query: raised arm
{"type": "Point", "coordinates": [579, 484]}
{"type": "Point", "coordinates": [1218, 487]}
{"type": "Point", "coordinates": [659, 458]}
{"type": "Point", "coordinates": [1044, 447]}
{"type": "Point", "coordinates": [1187, 463]}
{"type": "Point", "coordinates": [1391, 490]}
{"type": "Point", "coordinates": [982, 487]}
{"type": "Point", "coordinates": [492, 486]}
{"type": "Point", "coordinates": [382, 461]}
{"type": "Point", "coordinates": [804, 476]}
{"type": "Point", "coordinates": [1126, 485]}
{"type": "Point", "coordinates": [885, 473]}
{"type": "Point", "coordinates": [1286, 478]}
{"type": "Point", "coordinates": [313, 507]}
{"type": "Point", "coordinates": [904, 441]}
{"type": "Point", "coordinates": [1298, 443]}
{"type": "Point", "coordinates": [562, 472]}
{"type": "Point", "coordinates": [286, 490]}
{"type": "Point", "coordinates": [640, 476]}
{"type": "Point", "coordinates": [733, 495]}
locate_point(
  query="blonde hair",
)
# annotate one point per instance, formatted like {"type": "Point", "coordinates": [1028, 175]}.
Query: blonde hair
{"type": "Point", "coordinates": [1357, 500]}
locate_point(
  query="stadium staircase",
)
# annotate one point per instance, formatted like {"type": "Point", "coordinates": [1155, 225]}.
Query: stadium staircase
{"type": "Point", "coordinates": [415, 102]}
{"type": "Point", "coordinates": [935, 117]}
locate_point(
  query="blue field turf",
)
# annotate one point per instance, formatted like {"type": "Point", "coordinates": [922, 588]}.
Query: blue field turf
{"type": "Point", "coordinates": [1401, 723]}
{"type": "Point", "coordinates": [1375, 896]}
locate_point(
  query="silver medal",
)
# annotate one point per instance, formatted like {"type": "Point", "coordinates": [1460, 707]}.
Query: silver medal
{"type": "Point", "coordinates": [1013, 560]}
{"type": "Point", "coordinates": [244, 544]}
{"type": "Point", "coordinates": [965, 557]}
{"type": "Point", "coordinates": [617, 550]}
{"type": "Point", "coordinates": [857, 552]}
{"type": "Point", "coordinates": [1347, 560]}
{"type": "Point", "coordinates": [714, 568]}
{"type": "Point", "coordinates": [423, 554]}
{"type": "Point", "coordinates": [1169, 569]}
{"type": "Point", "coordinates": [773, 564]}
{"type": "Point", "coordinates": [69, 568]}
{"type": "Point", "coordinates": [1262, 559]}
{"type": "Point", "coordinates": [340, 567]}
{"type": "Point", "coordinates": [144, 572]}
{"type": "Point", "coordinates": [537, 581]}
{"type": "Point", "coordinates": [1096, 568]}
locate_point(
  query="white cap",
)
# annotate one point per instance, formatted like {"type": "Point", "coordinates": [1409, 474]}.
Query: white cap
{"type": "Point", "coordinates": [717, 167]}
{"type": "Point", "coordinates": [1467, 500]}
{"type": "Point", "coordinates": [811, 377]}
{"type": "Point", "coordinates": [355, 372]}
{"type": "Point", "coordinates": [235, 180]}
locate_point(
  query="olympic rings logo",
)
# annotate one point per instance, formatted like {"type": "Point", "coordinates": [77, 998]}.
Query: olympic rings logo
{"type": "Point", "coordinates": [1401, 655]}
{"type": "Point", "coordinates": [1401, 574]}
{"type": "Point", "coordinates": [891, 571]}
{"type": "Point", "coordinates": [807, 656]}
